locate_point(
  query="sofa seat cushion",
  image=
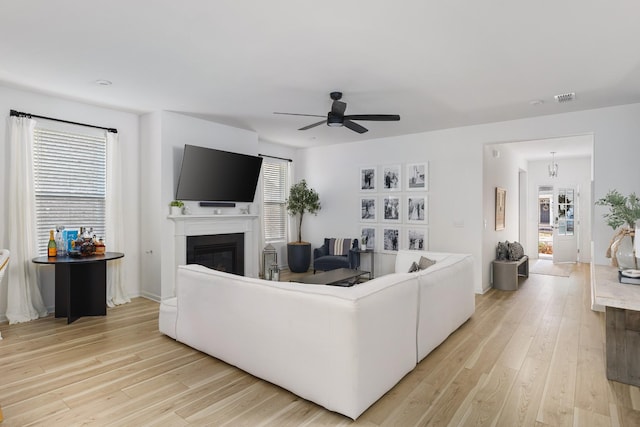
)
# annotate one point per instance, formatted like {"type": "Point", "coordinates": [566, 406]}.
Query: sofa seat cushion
{"type": "Point", "coordinates": [331, 262]}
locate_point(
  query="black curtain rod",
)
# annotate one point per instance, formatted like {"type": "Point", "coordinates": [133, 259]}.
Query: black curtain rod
{"type": "Point", "coordinates": [15, 113]}
{"type": "Point", "coordinates": [275, 157]}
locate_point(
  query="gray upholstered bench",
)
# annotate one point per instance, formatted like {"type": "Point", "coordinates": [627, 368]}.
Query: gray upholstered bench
{"type": "Point", "coordinates": [505, 273]}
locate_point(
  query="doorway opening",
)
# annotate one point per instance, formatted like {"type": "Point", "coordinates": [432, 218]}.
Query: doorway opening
{"type": "Point", "coordinates": [545, 222]}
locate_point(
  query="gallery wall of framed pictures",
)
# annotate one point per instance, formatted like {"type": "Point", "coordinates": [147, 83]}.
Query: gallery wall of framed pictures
{"type": "Point", "coordinates": [394, 206]}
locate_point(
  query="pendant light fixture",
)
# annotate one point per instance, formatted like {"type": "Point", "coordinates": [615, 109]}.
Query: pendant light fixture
{"type": "Point", "coordinates": [553, 166]}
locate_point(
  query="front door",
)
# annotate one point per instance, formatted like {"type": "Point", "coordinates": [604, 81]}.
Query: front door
{"type": "Point", "coordinates": [565, 239]}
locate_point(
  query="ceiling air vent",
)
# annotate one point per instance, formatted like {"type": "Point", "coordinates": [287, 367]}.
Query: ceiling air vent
{"type": "Point", "coordinates": [565, 97]}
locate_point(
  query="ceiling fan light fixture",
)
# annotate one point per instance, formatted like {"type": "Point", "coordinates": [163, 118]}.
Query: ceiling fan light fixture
{"type": "Point", "coordinates": [334, 121]}
{"type": "Point", "coordinates": [336, 117]}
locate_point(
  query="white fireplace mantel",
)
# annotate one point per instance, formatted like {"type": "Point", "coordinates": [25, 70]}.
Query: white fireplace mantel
{"type": "Point", "coordinates": [201, 225]}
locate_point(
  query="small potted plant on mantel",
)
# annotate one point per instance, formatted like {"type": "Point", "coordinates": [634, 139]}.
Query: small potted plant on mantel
{"type": "Point", "coordinates": [302, 199]}
{"type": "Point", "coordinates": [176, 207]}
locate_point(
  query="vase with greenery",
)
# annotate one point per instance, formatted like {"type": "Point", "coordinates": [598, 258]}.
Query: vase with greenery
{"type": "Point", "coordinates": [624, 212]}
{"type": "Point", "coordinates": [302, 199]}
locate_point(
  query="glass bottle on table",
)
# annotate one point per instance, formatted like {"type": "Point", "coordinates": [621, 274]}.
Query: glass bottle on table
{"type": "Point", "coordinates": [51, 247]}
{"type": "Point", "coordinates": [60, 243]}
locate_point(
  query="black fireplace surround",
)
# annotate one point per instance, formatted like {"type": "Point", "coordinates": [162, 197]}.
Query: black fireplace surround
{"type": "Point", "coordinates": [222, 252]}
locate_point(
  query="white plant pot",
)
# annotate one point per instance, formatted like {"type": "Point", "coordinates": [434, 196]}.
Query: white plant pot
{"type": "Point", "coordinates": [363, 246]}
{"type": "Point", "coordinates": [176, 210]}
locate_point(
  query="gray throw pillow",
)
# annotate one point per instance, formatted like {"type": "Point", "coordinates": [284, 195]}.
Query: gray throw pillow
{"type": "Point", "coordinates": [425, 263]}
{"type": "Point", "coordinates": [502, 251]}
{"type": "Point", "coordinates": [516, 251]}
{"type": "Point", "coordinates": [414, 267]}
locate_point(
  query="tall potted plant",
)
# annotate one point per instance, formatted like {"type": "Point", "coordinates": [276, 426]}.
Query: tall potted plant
{"type": "Point", "coordinates": [302, 199]}
{"type": "Point", "coordinates": [624, 212]}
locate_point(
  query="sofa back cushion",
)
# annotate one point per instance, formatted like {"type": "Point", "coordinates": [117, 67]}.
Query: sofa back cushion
{"type": "Point", "coordinates": [339, 246]}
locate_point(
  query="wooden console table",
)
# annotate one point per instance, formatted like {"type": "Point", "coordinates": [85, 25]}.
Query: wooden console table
{"type": "Point", "coordinates": [81, 284]}
{"type": "Point", "coordinates": [622, 317]}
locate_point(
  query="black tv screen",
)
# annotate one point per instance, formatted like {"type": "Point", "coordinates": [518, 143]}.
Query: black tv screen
{"type": "Point", "coordinates": [215, 175]}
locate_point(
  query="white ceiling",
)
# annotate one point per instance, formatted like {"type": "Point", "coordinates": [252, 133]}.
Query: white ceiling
{"type": "Point", "coordinates": [438, 64]}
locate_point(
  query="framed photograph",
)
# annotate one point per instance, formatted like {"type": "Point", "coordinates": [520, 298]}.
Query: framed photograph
{"type": "Point", "coordinates": [368, 178]}
{"type": "Point", "coordinates": [418, 176]}
{"type": "Point", "coordinates": [417, 238]}
{"type": "Point", "coordinates": [391, 209]}
{"type": "Point", "coordinates": [368, 209]}
{"type": "Point", "coordinates": [392, 178]}
{"type": "Point", "coordinates": [370, 234]}
{"type": "Point", "coordinates": [501, 199]}
{"type": "Point", "coordinates": [417, 209]}
{"type": "Point", "coordinates": [390, 239]}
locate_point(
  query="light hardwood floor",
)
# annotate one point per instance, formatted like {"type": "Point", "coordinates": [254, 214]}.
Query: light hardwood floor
{"type": "Point", "coordinates": [533, 357]}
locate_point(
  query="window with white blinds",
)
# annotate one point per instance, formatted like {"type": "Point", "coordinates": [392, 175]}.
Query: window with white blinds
{"type": "Point", "coordinates": [274, 194]}
{"type": "Point", "coordinates": [70, 174]}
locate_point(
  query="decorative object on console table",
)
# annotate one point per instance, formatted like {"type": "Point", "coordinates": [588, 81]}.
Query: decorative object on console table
{"type": "Point", "coordinates": [176, 207]}
{"type": "Point", "coordinates": [302, 199]}
{"type": "Point", "coordinates": [501, 203]}
{"type": "Point", "coordinates": [630, 277]}
{"type": "Point", "coordinates": [622, 210]}
{"type": "Point", "coordinates": [51, 247]}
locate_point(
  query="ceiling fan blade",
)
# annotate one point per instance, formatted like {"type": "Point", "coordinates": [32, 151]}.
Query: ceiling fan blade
{"type": "Point", "coordinates": [338, 108]}
{"type": "Point", "coordinates": [297, 114]}
{"type": "Point", "coordinates": [313, 125]}
{"type": "Point", "coordinates": [374, 117]}
{"type": "Point", "coordinates": [354, 126]}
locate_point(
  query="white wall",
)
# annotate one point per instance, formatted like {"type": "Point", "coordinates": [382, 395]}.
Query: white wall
{"type": "Point", "coordinates": [456, 196]}
{"type": "Point", "coordinates": [455, 201]}
{"type": "Point", "coordinates": [164, 135]}
{"type": "Point", "coordinates": [127, 125]}
{"type": "Point", "coordinates": [500, 170]}
{"type": "Point", "coordinates": [573, 173]}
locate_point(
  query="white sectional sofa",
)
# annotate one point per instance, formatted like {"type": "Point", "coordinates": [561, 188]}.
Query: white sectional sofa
{"type": "Point", "coordinates": [342, 348]}
{"type": "Point", "coordinates": [446, 296]}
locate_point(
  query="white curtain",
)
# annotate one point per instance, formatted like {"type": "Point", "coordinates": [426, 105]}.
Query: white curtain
{"type": "Point", "coordinates": [261, 219]}
{"type": "Point", "coordinates": [116, 293]}
{"type": "Point", "coordinates": [24, 299]}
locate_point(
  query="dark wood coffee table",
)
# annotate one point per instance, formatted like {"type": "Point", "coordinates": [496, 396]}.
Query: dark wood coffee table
{"type": "Point", "coordinates": [339, 277]}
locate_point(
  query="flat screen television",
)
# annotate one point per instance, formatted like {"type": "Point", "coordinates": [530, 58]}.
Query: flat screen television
{"type": "Point", "coordinates": [215, 175]}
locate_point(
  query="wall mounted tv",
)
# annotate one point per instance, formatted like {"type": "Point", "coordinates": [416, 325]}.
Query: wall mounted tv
{"type": "Point", "coordinates": [215, 175]}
